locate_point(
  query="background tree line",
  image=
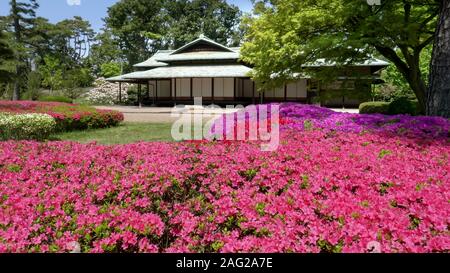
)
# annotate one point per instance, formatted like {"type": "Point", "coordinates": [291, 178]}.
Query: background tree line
{"type": "Point", "coordinates": [67, 56]}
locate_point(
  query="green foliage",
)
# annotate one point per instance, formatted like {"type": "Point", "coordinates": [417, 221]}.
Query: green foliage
{"type": "Point", "coordinates": [398, 106]}
{"type": "Point", "coordinates": [6, 53]}
{"type": "Point", "coordinates": [105, 50]}
{"type": "Point", "coordinates": [75, 80]}
{"type": "Point", "coordinates": [286, 36]}
{"type": "Point", "coordinates": [34, 81]}
{"type": "Point", "coordinates": [305, 182]}
{"type": "Point", "coordinates": [70, 81]}
{"type": "Point", "coordinates": [55, 99]}
{"type": "Point", "coordinates": [52, 74]}
{"type": "Point", "coordinates": [395, 85]}
{"type": "Point", "coordinates": [374, 107]}
{"type": "Point", "coordinates": [20, 24]}
{"type": "Point", "coordinates": [403, 105]}
{"type": "Point", "coordinates": [260, 208]}
{"type": "Point", "coordinates": [249, 174]}
{"type": "Point", "coordinates": [384, 153]}
{"type": "Point", "coordinates": [26, 126]}
{"type": "Point", "coordinates": [141, 27]}
{"type": "Point", "coordinates": [129, 20]}
{"type": "Point", "coordinates": [216, 19]}
{"type": "Point", "coordinates": [72, 38]}
{"type": "Point", "coordinates": [110, 70]}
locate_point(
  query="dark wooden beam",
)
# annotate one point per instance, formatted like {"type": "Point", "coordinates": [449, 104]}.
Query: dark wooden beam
{"type": "Point", "coordinates": [285, 92]}
{"type": "Point", "coordinates": [192, 89]}
{"type": "Point", "coordinates": [253, 90]}
{"type": "Point", "coordinates": [139, 94]}
{"type": "Point", "coordinates": [234, 88]}
{"type": "Point", "coordinates": [262, 95]}
{"type": "Point", "coordinates": [212, 89]}
{"type": "Point", "coordinates": [156, 90]}
{"type": "Point", "coordinates": [242, 87]}
{"type": "Point", "coordinates": [120, 92]}
{"type": "Point", "coordinates": [175, 92]}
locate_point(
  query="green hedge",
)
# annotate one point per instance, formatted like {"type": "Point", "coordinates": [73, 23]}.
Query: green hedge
{"type": "Point", "coordinates": [403, 106]}
{"type": "Point", "coordinates": [375, 107]}
{"type": "Point", "coordinates": [26, 126]}
{"type": "Point", "coordinates": [397, 107]}
{"type": "Point", "coordinates": [56, 99]}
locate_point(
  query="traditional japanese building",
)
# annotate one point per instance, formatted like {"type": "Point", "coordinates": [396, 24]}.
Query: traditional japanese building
{"type": "Point", "coordinates": [207, 69]}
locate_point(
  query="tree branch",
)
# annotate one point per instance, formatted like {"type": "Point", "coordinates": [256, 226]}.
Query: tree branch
{"type": "Point", "coordinates": [391, 55]}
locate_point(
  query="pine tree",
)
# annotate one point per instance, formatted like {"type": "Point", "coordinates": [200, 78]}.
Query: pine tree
{"type": "Point", "coordinates": [22, 15]}
{"type": "Point", "coordinates": [6, 54]}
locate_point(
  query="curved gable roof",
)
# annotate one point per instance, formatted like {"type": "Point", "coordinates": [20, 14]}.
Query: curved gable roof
{"type": "Point", "coordinates": [201, 39]}
{"type": "Point", "coordinates": [154, 60]}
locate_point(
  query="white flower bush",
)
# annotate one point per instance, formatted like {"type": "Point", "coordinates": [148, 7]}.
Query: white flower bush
{"type": "Point", "coordinates": [106, 93]}
{"type": "Point", "coordinates": [26, 126]}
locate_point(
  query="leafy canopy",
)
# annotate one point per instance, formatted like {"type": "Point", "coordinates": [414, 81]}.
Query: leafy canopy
{"type": "Point", "coordinates": [287, 34]}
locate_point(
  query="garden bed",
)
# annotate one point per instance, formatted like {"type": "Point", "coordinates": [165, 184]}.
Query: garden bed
{"type": "Point", "coordinates": [323, 190]}
{"type": "Point", "coordinates": [68, 117]}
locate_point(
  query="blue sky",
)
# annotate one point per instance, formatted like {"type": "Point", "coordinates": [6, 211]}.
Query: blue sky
{"type": "Point", "coordinates": [92, 10]}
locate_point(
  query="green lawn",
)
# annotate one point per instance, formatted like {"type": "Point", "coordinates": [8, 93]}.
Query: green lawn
{"type": "Point", "coordinates": [124, 133]}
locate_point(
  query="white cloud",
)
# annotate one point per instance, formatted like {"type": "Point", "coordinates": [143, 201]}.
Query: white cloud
{"type": "Point", "coordinates": [73, 2]}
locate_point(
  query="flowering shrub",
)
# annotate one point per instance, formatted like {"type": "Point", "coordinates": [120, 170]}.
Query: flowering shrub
{"type": "Point", "coordinates": [26, 126]}
{"type": "Point", "coordinates": [68, 116]}
{"type": "Point", "coordinates": [359, 186]}
{"type": "Point", "coordinates": [321, 191]}
{"type": "Point", "coordinates": [305, 117]}
{"type": "Point", "coordinates": [106, 93]}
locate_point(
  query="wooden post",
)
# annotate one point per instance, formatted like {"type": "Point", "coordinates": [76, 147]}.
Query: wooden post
{"type": "Point", "coordinates": [192, 89]}
{"type": "Point", "coordinates": [253, 90]}
{"type": "Point", "coordinates": [234, 89]}
{"type": "Point", "coordinates": [120, 92]}
{"type": "Point", "coordinates": [175, 91]}
{"type": "Point", "coordinates": [139, 95]}
{"type": "Point", "coordinates": [212, 89]}
{"type": "Point", "coordinates": [156, 90]}
{"type": "Point", "coordinates": [242, 87]}
{"type": "Point", "coordinates": [285, 92]}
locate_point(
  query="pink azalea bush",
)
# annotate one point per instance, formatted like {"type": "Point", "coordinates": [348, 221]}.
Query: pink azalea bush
{"type": "Point", "coordinates": [321, 191]}
{"type": "Point", "coordinates": [302, 117]}
{"type": "Point", "coordinates": [67, 116]}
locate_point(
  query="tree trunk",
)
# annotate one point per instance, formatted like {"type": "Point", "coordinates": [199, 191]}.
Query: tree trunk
{"type": "Point", "coordinates": [18, 37]}
{"type": "Point", "coordinates": [438, 95]}
{"type": "Point", "coordinates": [410, 71]}
{"type": "Point", "coordinates": [415, 80]}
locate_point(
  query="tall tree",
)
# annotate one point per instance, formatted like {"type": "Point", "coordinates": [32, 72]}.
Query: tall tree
{"type": "Point", "coordinates": [141, 27]}
{"type": "Point", "coordinates": [438, 102]}
{"type": "Point", "coordinates": [137, 25]}
{"type": "Point", "coordinates": [22, 15]}
{"type": "Point", "coordinates": [287, 34]}
{"type": "Point", "coordinates": [6, 54]}
{"type": "Point", "coordinates": [105, 50]}
{"type": "Point", "coordinates": [73, 39]}
{"type": "Point", "coordinates": [214, 18]}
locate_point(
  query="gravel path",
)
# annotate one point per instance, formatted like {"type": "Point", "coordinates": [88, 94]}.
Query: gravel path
{"type": "Point", "coordinates": [161, 114]}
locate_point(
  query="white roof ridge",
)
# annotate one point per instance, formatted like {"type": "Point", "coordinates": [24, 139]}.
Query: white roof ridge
{"type": "Point", "coordinates": [202, 38]}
